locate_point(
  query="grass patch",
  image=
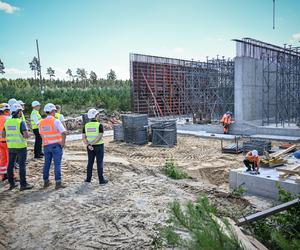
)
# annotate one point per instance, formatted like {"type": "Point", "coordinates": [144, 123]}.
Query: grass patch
{"type": "Point", "coordinates": [194, 227]}
{"type": "Point", "coordinates": [171, 170]}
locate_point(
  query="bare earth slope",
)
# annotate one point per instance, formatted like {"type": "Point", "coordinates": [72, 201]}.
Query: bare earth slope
{"type": "Point", "coordinates": [125, 214]}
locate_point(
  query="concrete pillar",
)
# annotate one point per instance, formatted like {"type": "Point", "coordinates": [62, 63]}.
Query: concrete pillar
{"type": "Point", "coordinates": [248, 82]}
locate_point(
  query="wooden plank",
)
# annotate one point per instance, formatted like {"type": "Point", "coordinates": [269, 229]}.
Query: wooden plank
{"type": "Point", "coordinates": [288, 171]}
{"type": "Point", "coordinates": [278, 154]}
{"type": "Point", "coordinates": [268, 212]}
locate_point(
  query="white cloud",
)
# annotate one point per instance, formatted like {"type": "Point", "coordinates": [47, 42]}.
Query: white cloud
{"type": "Point", "coordinates": [178, 50]}
{"type": "Point", "coordinates": [8, 8]}
{"type": "Point", "coordinates": [296, 37]}
{"type": "Point", "coordinates": [16, 72]}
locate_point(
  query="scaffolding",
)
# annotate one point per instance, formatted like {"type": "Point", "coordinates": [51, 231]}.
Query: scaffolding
{"type": "Point", "coordinates": [281, 80]}
{"type": "Point", "coordinates": [167, 87]}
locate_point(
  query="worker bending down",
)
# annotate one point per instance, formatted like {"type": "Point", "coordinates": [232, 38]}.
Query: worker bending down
{"type": "Point", "coordinates": [252, 160]}
{"type": "Point", "coordinates": [226, 121]}
{"type": "Point", "coordinates": [92, 138]}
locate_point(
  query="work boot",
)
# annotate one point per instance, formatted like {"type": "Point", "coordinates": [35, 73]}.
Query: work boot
{"type": "Point", "coordinates": [47, 184]}
{"type": "Point", "coordinates": [58, 185]}
{"type": "Point", "coordinates": [248, 169]}
{"type": "Point", "coordinates": [27, 187]}
{"type": "Point", "coordinates": [12, 187]}
{"type": "Point", "coordinates": [88, 181]}
{"type": "Point", "coordinates": [103, 182]}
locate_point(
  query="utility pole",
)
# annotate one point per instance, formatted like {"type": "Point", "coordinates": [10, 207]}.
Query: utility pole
{"type": "Point", "coordinates": [40, 69]}
{"type": "Point", "coordinates": [273, 14]}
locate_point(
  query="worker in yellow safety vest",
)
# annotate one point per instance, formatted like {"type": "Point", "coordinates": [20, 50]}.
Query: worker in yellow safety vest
{"type": "Point", "coordinates": [35, 119]}
{"type": "Point", "coordinates": [60, 116]}
{"type": "Point", "coordinates": [23, 107]}
{"type": "Point", "coordinates": [92, 136]}
{"type": "Point", "coordinates": [16, 134]}
{"type": "Point", "coordinates": [54, 136]}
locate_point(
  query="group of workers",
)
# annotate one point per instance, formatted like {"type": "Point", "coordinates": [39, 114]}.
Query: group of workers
{"type": "Point", "coordinates": [50, 138]}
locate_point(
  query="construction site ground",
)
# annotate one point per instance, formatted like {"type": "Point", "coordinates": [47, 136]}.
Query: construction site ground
{"type": "Point", "coordinates": [129, 211]}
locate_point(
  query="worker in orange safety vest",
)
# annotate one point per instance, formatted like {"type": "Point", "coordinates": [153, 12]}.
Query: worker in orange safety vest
{"type": "Point", "coordinates": [252, 160]}
{"type": "Point", "coordinates": [4, 115]}
{"type": "Point", "coordinates": [226, 121]}
{"type": "Point", "coordinates": [54, 136]}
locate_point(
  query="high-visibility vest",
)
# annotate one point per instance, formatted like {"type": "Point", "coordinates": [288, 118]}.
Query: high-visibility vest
{"type": "Point", "coordinates": [251, 158]}
{"type": "Point", "coordinates": [14, 138]}
{"type": "Point", "coordinates": [92, 131]}
{"type": "Point", "coordinates": [226, 119]}
{"type": "Point", "coordinates": [3, 118]}
{"type": "Point", "coordinates": [57, 116]}
{"type": "Point", "coordinates": [34, 112]}
{"type": "Point", "coordinates": [49, 133]}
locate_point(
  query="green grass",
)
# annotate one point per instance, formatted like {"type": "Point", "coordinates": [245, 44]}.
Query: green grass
{"type": "Point", "coordinates": [194, 227]}
{"type": "Point", "coordinates": [171, 170]}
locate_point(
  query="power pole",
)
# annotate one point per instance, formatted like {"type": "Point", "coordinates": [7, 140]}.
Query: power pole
{"type": "Point", "coordinates": [273, 14]}
{"type": "Point", "coordinates": [40, 69]}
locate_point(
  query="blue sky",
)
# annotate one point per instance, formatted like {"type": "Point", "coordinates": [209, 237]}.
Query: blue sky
{"type": "Point", "coordinates": [99, 34]}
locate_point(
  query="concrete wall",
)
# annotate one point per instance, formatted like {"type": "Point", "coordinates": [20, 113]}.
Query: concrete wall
{"type": "Point", "coordinates": [248, 82]}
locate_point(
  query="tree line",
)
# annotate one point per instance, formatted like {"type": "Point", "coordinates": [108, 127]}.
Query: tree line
{"type": "Point", "coordinates": [75, 95]}
{"type": "Point", "coordinates": [80, 73]}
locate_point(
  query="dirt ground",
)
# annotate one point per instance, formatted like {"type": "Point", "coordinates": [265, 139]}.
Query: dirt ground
{"type": "Point", "coordinates": [128, 212]}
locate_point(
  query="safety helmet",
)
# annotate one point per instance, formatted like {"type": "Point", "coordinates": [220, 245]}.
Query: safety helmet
{"type": "Point", "coordinates": [92, 113]}
{"type": "Point", "coordinates": [21, 102]}
{"type": "Point", "coordinates": [254, 153]}
{"type": "Point", "coordinates": [49, 107]}
{"type": "Point", "coordinates": [12, 101]}
{"type": "Point", "coordinates": [16, 107]}
{"type": "Point", "coordinates": [4, 106]}
{"type": "Point", "coordinates": [35, 103]}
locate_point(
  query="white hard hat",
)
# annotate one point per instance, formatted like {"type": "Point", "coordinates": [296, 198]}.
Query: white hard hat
{"type": "Point", "coordinates": [35, 103]}
{"type": "Point", "coordinates": [12, 101]}
{"type": "Point", "coordinates": [254, 153]}
{"type": "Point", "coordinates": [4, 106]}
{"type": "Point", "coordinates": [92, 113]}
{"type": "Point", "coordinates": [49, 107]}
{"type": "Point", "coordinates": [21, 102]}
{"type": "Point", "coordinates": [15, 107]}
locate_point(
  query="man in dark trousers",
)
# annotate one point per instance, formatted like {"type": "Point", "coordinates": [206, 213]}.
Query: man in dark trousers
{"type": "Point", "coordinates": [35, 119]}
{"type": "Point", "coordinates": [16, 134]}
{"type": "Point", "coordinates": [92, 136]}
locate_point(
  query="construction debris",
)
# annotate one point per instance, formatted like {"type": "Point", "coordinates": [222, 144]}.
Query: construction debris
{"type": "Point", "coordinates": [288, 172]}
{"type": "Point", "coordinates": [276, 159]}
{"type": "Point", "coordinates": [268, 212]}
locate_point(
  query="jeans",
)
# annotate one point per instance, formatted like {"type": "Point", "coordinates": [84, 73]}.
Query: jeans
{"type": "Point", "coordinates": [52, 151]}
{"type": "Point", "coordinates": [98, 152]}
{"type": "Point", "coordinates": [37, 143]}
{"type": "Point", "coordinates": [13, 153]}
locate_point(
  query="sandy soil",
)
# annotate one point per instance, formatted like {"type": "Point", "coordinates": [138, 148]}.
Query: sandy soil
{"type": "Point", "coordinates": [125, 214]}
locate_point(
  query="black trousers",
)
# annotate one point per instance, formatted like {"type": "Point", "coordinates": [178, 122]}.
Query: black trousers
{"type": "Point", "coordinates": [13, 153]}
{"type": "Point", "coordinates": [37, 143]}
{"type": "Point", "coordinates": [97, 153]}
{"type": "Point", "coordinates": [250, 165]}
